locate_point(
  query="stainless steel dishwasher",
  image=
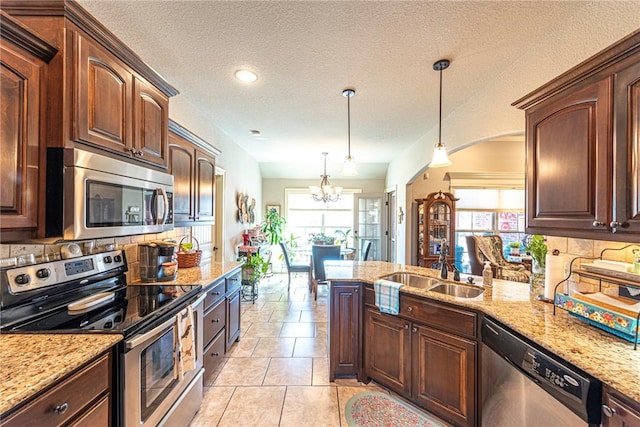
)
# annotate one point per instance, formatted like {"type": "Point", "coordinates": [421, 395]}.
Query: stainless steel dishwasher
{"type": "Point", "coordinates": [523, 385]}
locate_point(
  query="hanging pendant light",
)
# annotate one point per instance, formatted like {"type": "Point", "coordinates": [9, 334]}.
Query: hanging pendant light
{"type": "Point", "coordinates": [349, 162]}
{"type": "Point", "coordinates": [440, 157]}
{"type": "Point", "coordinates": [325, 192]}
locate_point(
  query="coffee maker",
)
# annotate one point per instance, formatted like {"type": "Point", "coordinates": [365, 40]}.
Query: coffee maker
{"type": "Point", "coordinates": [157, 263]}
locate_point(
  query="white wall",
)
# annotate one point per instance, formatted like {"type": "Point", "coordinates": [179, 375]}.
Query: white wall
{"type": "Point", "coordinates": [242, 171]}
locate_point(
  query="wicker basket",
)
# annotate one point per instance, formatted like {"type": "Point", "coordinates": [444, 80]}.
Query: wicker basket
{"type": "Point", "coordinates": [189, 259]}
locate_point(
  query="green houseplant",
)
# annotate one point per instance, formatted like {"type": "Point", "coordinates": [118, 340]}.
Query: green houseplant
{"type": "Point", "coordinates": [536, 246]}
{"type": "Point", "coordinates": [254, 268]}
{"type": "Point", "coordinates": [273, 227]}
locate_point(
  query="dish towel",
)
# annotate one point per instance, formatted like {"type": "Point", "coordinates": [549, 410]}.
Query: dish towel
{"type": "Point", "coordinates": [387, 295]}
{"type": "Point", "coordinates": [185, 343]}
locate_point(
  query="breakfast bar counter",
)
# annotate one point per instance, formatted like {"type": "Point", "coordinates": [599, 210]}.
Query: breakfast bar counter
{"type": "Point", "coordinates": [30, 363]}
{"type": "Point", "coordinates": [606, 357]}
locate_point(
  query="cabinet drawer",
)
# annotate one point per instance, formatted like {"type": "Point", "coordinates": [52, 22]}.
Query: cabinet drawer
{"type": "Point", "coordinates": [213, 355]}
{"type": "Point", "coordinates": [233, 282]}
{"type": "Point", "coordinates": [96, 416]}
{"type": "Point", "coordinates": [74, 393]}
{"type": "Point", "coordinates": [213, 321]}
{"type": "Point", "coordinates": [439, 316]}
{"type": "Point", "coordinates": [214, 294]}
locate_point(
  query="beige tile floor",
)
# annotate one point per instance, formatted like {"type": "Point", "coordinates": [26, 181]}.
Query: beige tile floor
{"type": "Point", "coordinates": [278, 374]}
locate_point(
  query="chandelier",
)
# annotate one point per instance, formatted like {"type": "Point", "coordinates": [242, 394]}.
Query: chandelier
{"type": "Point", "coordinates": [325, 192]}
{"type": "Point", "coordinates": [440, 157]}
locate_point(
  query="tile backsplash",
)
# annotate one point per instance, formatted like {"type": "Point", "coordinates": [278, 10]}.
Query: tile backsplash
{"type": "Point", "coordinates": [128, 243]}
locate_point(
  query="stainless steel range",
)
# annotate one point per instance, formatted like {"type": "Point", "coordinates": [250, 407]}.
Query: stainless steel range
{"type": "Point", "coordinates": [156, 379]}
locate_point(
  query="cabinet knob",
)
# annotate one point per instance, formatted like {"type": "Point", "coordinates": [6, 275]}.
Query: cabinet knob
{"type": "Point", "coordinates": [598, 224]}
{"type": "Point", "coordinates": [414, 329]}
{"type": "Point", "coordinates": [140, 153]}
{"type": "Point", "coordinates": [616, 224]}
{"type": "Point", "coordinates": [61, 409]}
{"type": "Point", "coordinates": [406, 326]}
{"type": "Point", "coordinates": [607, 411]}
{"type": "Point", "coordinates": [409, 309]}
{"type": "Point", "coordinates": [356, 290]}
{"type": "Point", "coordinates": [215, 320]}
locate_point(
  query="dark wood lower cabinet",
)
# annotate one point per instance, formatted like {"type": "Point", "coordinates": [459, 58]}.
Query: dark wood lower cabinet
{"type": "Point", "coordinates": [444, 374]}
{"type": "Point", "coordinates": [619, 411]}
{"type": "Point", "coordinates": [233, 318]}
{"type": "Point", "coordinates": [345, 326]}
{"type": "Point", "coordinates": [388, 351]}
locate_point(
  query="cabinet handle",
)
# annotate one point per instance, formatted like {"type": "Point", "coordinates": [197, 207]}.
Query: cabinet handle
{"type": "Point", "coordinates": [215, 320]}
{"type": "Point", "coordinates": [61, 409]}
{"type": "Point", "coordinates": [140, 153]}
{"type": "Point", "coordinates": [609, 412]}
{"type": "Point", "coordinates": [216, 293]}
{"type": "Point", "coordinates": [356, 290]}
{"type": "Point", "coordinates": [406, 326]}
{"type": "Point", "coordinates": [414, 329]}
{"type": "Point", "coordinates": [599, 224]}
{"type": "Point", "coordinates": [131, 151]}
{"type": "Point", "coordinates": [216, 354]}
{"type": "Point", "coordinates": [616, 224]}
{"type": "Point", "coordinates": [409, 309]}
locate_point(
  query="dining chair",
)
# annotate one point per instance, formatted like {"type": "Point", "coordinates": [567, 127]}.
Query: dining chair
{"type": "Point", "coordinates": [294, 267]}
{"type": "Point", "coordinates": [366, 249]}
{"type": "Point", "coordinates": [320, 254]}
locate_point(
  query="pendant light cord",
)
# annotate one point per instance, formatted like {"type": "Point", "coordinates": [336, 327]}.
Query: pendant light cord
{"type": "Point", "coordinates": [440, 112]}
{"type": "Point", "coordinates": [349, 124]}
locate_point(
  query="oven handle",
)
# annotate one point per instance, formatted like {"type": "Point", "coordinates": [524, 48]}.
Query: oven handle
{"type": "Point", "coordinates": [137, 340]}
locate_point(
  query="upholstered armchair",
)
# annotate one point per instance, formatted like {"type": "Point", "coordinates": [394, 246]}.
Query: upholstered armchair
{"type": "Point", "coordinates": [489, 248]}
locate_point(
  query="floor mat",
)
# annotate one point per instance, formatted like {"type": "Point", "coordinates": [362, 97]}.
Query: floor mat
{"type": "Point", "coordinates": [376, 409]}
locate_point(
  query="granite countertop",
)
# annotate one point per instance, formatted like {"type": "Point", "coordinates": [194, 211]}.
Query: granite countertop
{"type": "Point", "coordinates": [31, 362]}
{"type": "Point", "coordinates": [605, 356]}
{"type": "Point", "coordinates": [204, 274]}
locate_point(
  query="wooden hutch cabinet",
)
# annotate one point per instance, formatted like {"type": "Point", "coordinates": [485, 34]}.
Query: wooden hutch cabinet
{"type": "Point", "coordinates": [436, 219]}
{"type": "Point", "coordinates": [583, 148]}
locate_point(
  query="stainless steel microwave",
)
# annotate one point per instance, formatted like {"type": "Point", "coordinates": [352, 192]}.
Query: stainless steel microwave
{"type": "Point", "coordinates": [92, 196]}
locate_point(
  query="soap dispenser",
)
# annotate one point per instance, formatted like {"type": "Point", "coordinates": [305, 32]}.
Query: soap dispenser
{"type": "Point", "coordinates": [487, 274]}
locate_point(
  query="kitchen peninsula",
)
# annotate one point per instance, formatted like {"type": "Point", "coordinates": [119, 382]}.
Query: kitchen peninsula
{"type": "Point", "coordinates": [606, 357]}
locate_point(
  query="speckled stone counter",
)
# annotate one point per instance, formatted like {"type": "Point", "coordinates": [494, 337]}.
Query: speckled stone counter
{"type": "Point", "coordinates": [31, 362]}
{"type": "Point", "coordinates": [204, 274]}
{"type": "Point", "coordinates": [606, 357]}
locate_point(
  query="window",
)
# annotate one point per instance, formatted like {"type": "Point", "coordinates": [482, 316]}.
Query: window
{"type": "Point", "coordinates": [306, 217]}
{"type": "Point", "coordinates": [487, 211]}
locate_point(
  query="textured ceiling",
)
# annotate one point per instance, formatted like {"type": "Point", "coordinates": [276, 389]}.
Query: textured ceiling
{"type": "Point", "coordinates": [306, 52]}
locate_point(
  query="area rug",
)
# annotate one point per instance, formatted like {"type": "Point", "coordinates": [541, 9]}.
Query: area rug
{"type": "Point", "coordinates": [376, 409]}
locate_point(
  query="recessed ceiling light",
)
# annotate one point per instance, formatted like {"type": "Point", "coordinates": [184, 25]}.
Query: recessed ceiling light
{"type": "Point", "coordinates": [246, 76]}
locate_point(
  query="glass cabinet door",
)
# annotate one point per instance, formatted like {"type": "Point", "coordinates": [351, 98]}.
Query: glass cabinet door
{"type": "Point", "coordinates": [439, 221]}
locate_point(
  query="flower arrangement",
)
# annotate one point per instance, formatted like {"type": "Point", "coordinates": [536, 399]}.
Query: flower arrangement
{"type": "Point", "coordinates": [536, 246]}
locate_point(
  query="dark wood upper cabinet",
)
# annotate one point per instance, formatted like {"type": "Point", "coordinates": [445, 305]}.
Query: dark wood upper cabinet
{"type": "Point", "coordinates": [23, 60]}
{"type": "Point", "coordinates": [192, 162]}
{"type": "Point", "coordinates": [583, 147]}
{"type": "Point", "coordinates": [150, 122]}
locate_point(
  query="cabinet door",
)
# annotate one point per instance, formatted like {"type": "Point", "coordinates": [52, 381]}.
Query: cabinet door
{"type": "Point", "coordinates": [233, 318]}
{"type": "Point", "coordinates": [181, 163]}
{"type": "Point", "coordinates": [150, 123]}
{"type": "Point", "coordinates": [627, 161]}
{"type": "Point", "coordinates": [569, 162]}
{"type": "Point", "coordinates": [19, 140]}
{"type": "Point", "coordinates": [205, 187]}
{"type": "Point", "coordinates": [345, 339]}
{"type": "Point", "coordinates": [103, 99]}
{"type": "Point", "coordinates": [619, 413]}
{"type": "Point", "coordinates": [444, 374]}
{"type": "Point", "coordinates": [387, 354]}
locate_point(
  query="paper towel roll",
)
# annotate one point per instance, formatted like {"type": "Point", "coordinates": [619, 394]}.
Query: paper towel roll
{"type": "Point", "coordinates": [554, 273]}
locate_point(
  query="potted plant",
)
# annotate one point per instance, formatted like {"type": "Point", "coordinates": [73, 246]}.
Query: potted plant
{"type": "Point", "coordinates": [344, 236]}
{"type": "Point", "coordinates": [514, 248]}
{"type": "Point", "coordinates": [273, 226]}
{"type": "Point", "coordinates": [537, 248]}
{"type": "Point", "coordinates": [254, 268]}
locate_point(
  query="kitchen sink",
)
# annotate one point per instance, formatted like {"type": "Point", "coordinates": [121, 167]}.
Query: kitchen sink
{"type": "Point", "coordinates": [457, 290]}
{"type": "Point", "coordinates": [413, 280]}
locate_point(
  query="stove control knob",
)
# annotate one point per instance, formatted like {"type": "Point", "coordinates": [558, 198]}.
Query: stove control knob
{"type": "Point", "coordinates": [107, 259]}
{"type": "Point", "coordinates": [117, 258]}
{"type": "Point", "coordinates": [43, 273]}
{"type": "Point", "coordinates": [23, 279]}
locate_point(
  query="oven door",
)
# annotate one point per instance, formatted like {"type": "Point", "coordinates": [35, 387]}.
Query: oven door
{"type": "Point", "coordinates": [151, 384]}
